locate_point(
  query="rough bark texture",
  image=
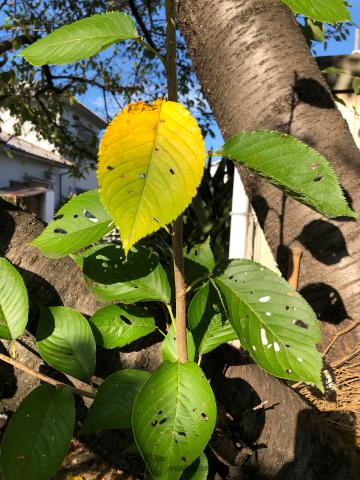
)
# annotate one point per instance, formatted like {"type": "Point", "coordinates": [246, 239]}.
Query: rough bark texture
{"type": "Point", "coordinates": [256, 70]}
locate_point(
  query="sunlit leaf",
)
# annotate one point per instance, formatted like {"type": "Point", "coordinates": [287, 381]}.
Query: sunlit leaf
{"type": "Point", "coordinates": [114, 401]}
{"type": "Point", "coordinates": [65, 341]}
{"type": "Point", "coordinates": [117, 325]}
{"type": "Point", "coordinates": [273, 322]}
{"type": "Point", "coordinates": [208, 321]}
{"type": "Point", "coordinates": [79, 223]}
{"type": "Point", "coordinates": [173, 418]}
{"type": "Point", "coordinates": [81, 39]}
{"type": "Point", "coordinates": [292, 166]}
{"type": "Point", "coordinates": [151, 160]}
{"type": "Point", "coordinates": [14, 303]}
{"type": "Point", "coordinates": [39, 433]}
{"type": "Point", "coordinates": [329, 11]}
{"type": "Point", "coordinates": [140, 277]}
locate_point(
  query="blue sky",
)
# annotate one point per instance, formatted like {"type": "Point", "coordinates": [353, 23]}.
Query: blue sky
{"type": "Point", "coordinates": [93, 100]}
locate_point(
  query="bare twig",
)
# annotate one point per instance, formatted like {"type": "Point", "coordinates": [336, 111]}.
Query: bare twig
{"type": "Point", "coordinates": [45, 378]}
{"type": "Point", "coordinates": [342, 332]}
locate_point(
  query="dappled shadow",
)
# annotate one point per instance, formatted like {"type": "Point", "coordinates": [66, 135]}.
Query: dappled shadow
{"type": "Point", "coordinates": [7, 225]}
{"type": "Point", "coordinates": [312, 92]}
{"type": "Point", "coordinates": [326, 302]}
{"type": "Point", "coordinates": [324, 241]}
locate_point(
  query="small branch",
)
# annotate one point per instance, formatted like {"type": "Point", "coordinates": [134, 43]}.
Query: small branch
{"type": "Point", "coordinates": [151, 49]}
{"type": "Point", "coordinates": [171, 315]}
{"type": "Point", "coordinates": [342, 332]}
{"type": "Point", "coordinates": [177, 232]}
{"type": "Point", "coordinates": [141, 24]}
{"type": "Point", "coordinates": [45, 378]}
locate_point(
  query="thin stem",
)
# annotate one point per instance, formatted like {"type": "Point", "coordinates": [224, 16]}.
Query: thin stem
{"type": "Point", "coordinates": [152, 50]}
{"type": "Point", "coordinates": [195, 282]}
{"type": "Point", "coordinates": [177, 232]}
{"type": "Point", "coordinates": [171, 313]}
{"type": "Point", "coordinates": [45, 378]}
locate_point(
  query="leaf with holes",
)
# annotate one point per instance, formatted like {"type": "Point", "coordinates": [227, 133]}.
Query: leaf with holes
{"type": "Point", "coordinates": [139, 278]}
{"type": "Point", "coordinates": [14, 303]}
{"type": "Point", "coordinates": [114, 401]}
{"type": "Point", "coordinates": [173, 418]}
{"type": "Point", "coordinates": [329, 11]}
{"type": "Point", "coordinates": [151, 160]}
{"type": "Point", "coordinates": [198, 470]}
{"type": "Point", "coordinates": [199, 261]}
{"type": "Point", "coordinates": [118, 325]}
{"type": "Point", "coordinates": [169, 349]}
{"type": "Point", "coordinates": [208, 321]}
{"type": "Point", "coordinates": [79, 223]}
{"type": "Point", "coordinates": [65, 341]}
{"type": "Point", "coordinates": [292, 166]}
{"type": "Point", "coordinates": [38, 436]}
{"type": "Point", "coordinates": [273, 322]}
{"type": "Point", "coordinates": [81, 39]}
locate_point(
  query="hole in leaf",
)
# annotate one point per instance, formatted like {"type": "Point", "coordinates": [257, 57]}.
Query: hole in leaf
{"type": "Point", "coordinates": [288, 370]}
{"type": "Point", "coordinates": [231, 277]}
{"type": "Point", "coordinates": [76, 215]}
{"type": "Point", "coordinates": [142, 175]}
{"type": "Point", "coordinates": [318, 178]}
{"type": "Point", "coordinates": [58, 217]}
{"type": "Point", "coordinates": [287, 307]}
{"type": "Point", "coordinates": [264, 299]}
{"type": "Point", "coordinates": [159, 412]}
{"type": "Point", "coordinates": [60, 230]}
{"type": "Point", "coordinates": [182, 434]}
{"type": "Point", "coordinates": [131, 192]}
{"type": "Point", "coordinates": [183, 459]}
{"type": "Point", "coordinates": [154, 423]}
{"type": "Point", "coordinates": [172, 171]}
{"type": "Point", "coordinates": [156, 219]}
{"type": "Point", "coordinates": [204, 416]}
{"type": "Point", "coordinates": [301, 324]}
{"type": "Point", "coordinates": [90, 216]}
{"type": "Point", "coordinates": [126, 320]}
{"type": "Point", "coordinates": [109, 167]}
{"type": "Point", "coordinates": [314, 166]}
{"type": "Point", "coordinates": [162, 421]}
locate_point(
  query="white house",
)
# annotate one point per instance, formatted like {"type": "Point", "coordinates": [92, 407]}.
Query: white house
{"type": "Point", "coordinates": [32, 173]}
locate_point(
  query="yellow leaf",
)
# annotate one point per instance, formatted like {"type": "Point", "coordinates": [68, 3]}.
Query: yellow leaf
{"type": "Point", "coordinates": [151, 160]}
{"type": "Point", "coordinates": [70, 477]}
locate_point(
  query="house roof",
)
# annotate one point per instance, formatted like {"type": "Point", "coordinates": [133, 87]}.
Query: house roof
{"type": "Point", "coordinates": [349, 63]}
{"type": "Point", "coordinates": [22, 192]}
{"type": "Point", "coordinates": [18, 144]}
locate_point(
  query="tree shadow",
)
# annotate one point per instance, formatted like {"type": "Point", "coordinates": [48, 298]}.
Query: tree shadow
{"type": "Point", "coordinates": [312, 92]}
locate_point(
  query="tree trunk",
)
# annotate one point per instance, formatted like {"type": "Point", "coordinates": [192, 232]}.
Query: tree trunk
{"type": "Point", "coordinates": [257, 72]}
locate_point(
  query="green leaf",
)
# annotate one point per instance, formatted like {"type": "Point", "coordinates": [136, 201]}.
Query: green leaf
{"type": "Point", "coordinates": [169, 349]}
{"type": "Point", "coordinates": [39, 433]}
{"type": "Point", "coordinates": [14, 303]}
{"type": "Point", "coordinates": [273, 322]}
{"type": "Point", "coordinates": [356, 85]}
{"type": "Point", "coordinates": [329, 11]}
{"type": "Point", "coordinates": [81, 39]}
{"type": "Point", "coordinates": [316, 30]}
{"type": "Point", "coordinates": [173, 418]}
{"type": "Point", "coordinates": [334, 70]}
{"type": "Point", "coordinates": [208, 321]}
{"type": "Point", "coordinates": [118, 325]}
{"type": "Point", "coordinates": [292, 166]}
{"type": "Point", "coordinates": [199, 261]}
{"type": "Point", "coordinates": [79, 223]}
{"type": "Point", "coordinates": [114, 401]}
{"type": "Point", "coordinates": [65, 341]}
{"type": "Point", "coordinates": [140, 278]}
{"type": "Point", "coordinates": [198, 470]}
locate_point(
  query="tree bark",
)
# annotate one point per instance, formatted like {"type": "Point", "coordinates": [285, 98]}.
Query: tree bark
{"type": "Point", "coordinates": [256, 70]}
